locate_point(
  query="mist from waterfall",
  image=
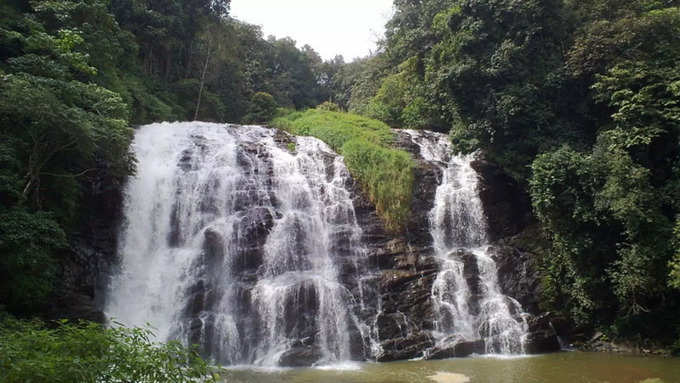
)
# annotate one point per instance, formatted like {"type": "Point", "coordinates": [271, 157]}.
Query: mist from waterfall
{"type": "Point", "coordinates": [467, 300]}
{"type": "Point", "coordinates": [233, 240]}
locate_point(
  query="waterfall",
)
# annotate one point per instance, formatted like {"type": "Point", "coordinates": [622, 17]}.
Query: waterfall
{"type": "Point", "coordinates": [233, 239]}
{"type": "Point", "coordinates": [467, 301]}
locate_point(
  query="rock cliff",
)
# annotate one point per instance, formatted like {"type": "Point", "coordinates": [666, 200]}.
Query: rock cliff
{"type": "Point", "coordinates": [400, 268]}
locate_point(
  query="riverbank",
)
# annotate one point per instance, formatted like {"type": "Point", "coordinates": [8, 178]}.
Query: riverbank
{"type": "Point", "coordinates": [599, 342]}
{"type": "Point", "coordinates": [564, 367]}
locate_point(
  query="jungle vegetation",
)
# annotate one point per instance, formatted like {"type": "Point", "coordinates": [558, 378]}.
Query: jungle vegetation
{"type": "Point", "coordinates": [579, 101]}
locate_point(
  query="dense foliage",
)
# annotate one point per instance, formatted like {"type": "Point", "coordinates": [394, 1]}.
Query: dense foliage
{"type": "Point", "coordinates": [75, 74]}
{"type": "Point", "coordinates": [58, 126]}
{"type": "Point", "coordinates": [262, 108]}
{"type": "Point", "coordinates": [580, 102]}
{"type": "Point", "coordinates": [32, 351]}
{"type": "Point", "coordinates": [385, 174]}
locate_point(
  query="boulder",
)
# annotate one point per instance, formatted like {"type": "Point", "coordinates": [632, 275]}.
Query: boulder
{"type": "Point", "coordinates": [408, 347]}
{"type": "Point", "coordinates": [542, 337]}
{"type": "Point", "coordinates": [300, 356]}
{"type": "Point", "coordinates": [458, 350]}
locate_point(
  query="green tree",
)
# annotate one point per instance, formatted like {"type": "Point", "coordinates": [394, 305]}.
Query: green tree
{"type": "Point", "coordinates": [263, 108]}
{"type": "Point", "coordinates": [28, 265]}
{"type": "Point", "coordinates": [87, 352]}
{"type": "Point", "coordinates": [57, 128]}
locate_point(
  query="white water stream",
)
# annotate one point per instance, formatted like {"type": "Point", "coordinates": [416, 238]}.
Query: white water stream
{"type": "Point", "coordinates": [467, 300]}
{"type": "Point", "coordinates": [191, 263]}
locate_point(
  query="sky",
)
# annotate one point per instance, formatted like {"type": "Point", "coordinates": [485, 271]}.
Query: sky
{"type": "Point", "coordinates": [347, 27]}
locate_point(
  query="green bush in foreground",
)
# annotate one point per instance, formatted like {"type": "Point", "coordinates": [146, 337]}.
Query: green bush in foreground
{"type": "Point", "coordinates": [384, 173]}
{"type": "Point", "coordinates": [30, 351]}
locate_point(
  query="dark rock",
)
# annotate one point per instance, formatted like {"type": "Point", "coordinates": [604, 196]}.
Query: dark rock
{"type": "Point", "coordinates": [185, 160]}
{"type": "Point", "coordinates": [399, 268]}
{"type": "Point", "coordinates": [457, 350]}
{"type": "Point", "coordinates": [360, 348]}
{"type": "Point", "coordinates": [74, 305]}
{"type": "Point", "coordinates": [403, 141]}
{"type": "Point", "coordinates": [300, 356]}
{"type": "Point", "coordinates": [506, 205]}
{"type": "Point", "coordinates": [542, 337]}
{"type": "Point", "coordinates": [283, 139]}
{"type": "Point", "coordinates": [471, 275]}
{"type": "Point", "coordinates": [408, 347]}
{"type": "Point", "coordinates": [250, 234]}
{"type": "Point", "coordinates": [392, 326]}
{"type": "Point", "coordinates": [427, 177]}
{"type": "Point", "coordinates": [83, 278]}
{"type": "Point", "coordinates": [463, 349]}
{"type": "Point", "coordinates": [213, 244]}
{"type": "Point", "coordinates": [394, 279]}
{"type": "Point", "coordinates": [404, 264]}
{"type": "Point", "coordinates": [518, 276]}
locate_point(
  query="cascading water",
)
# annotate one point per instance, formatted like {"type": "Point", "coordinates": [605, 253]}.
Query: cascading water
{"type": "Point", "coordinates": [467, 301]}
{"type": "Point", "coordinates": [234, 241]}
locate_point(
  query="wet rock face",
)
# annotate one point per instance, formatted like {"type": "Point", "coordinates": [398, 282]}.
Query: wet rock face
{"type": "Point", "coordinates": [542, 337]}
{"type": "Point", "coordinates": [393, 277]}
{"type": "Point", "coordinates": [518, 276]}
{"type": "Point", "coordinates": [517, 244]}
{"type": "Point", "coordinates": [404, 266]}
{"type": "Point", "coordinates": [92, 252]}
{"type": "Point", "coordinates": [404, 272]}
{"type": "Point", "coordinates": [300, 356]}
{"type": "Point", "coordinates": [407, 267]}
{"type": "Point", "coordinates": [427, 177]}
{"type": "Point", "coordinates": [506, 206]}
{"type": "Point", "coordinates": [459, 349]}
{"type": "Point", "coordinates": [408, 347]}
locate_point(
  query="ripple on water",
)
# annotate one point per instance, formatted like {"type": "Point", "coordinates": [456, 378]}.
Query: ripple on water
{"type": "Point", "coordinates": [346, 366]}
{"type": "Point", "coordinates": [449, 377]}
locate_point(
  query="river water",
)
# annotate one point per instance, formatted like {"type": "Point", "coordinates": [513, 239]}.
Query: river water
{"type": "Point", "coordinates": [565, 367]}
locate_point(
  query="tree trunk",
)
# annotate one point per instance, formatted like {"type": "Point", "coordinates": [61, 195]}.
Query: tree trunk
{"type": "Point", "coordinates": [202, 83]}
{"type": "Point", "coordinates": [188, 57]}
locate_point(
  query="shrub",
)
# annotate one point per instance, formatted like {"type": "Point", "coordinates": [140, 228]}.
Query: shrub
{"type": "Point", "coordinates": [263, 108]}
{"type": "Point", "coordinates": [29, 243]}
{"type": "Point", "coordinates": [329, 106]}
{"type": "Point", "coordinates": [86, 352]}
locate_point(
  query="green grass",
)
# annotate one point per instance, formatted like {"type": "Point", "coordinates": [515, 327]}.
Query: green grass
{"type": "Point", "coordinates": [384, 173]}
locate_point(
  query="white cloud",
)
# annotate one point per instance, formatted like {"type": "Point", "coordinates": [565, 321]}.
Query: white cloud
{"type": "Point", "coordinates": [347, 27]}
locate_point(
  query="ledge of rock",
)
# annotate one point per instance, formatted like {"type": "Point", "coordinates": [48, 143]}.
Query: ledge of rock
{"type": "Point", "coordinates": [405, 348]}
{"type": "Point", "coordinates": [458, 350]}
{"type": "Point", "coordinates": [542, 337]}
{"type": "Point", "coordinates": [300, 356]}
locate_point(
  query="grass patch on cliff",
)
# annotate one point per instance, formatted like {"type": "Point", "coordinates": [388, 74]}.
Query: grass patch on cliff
{"type": "Point", "coordinates": [384, 173]}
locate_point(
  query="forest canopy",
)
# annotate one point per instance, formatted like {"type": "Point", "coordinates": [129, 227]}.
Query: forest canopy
{"type": "Point", "coordinates": [77, 74]}
{"type": "Point", "coordinates": [578, 101]}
